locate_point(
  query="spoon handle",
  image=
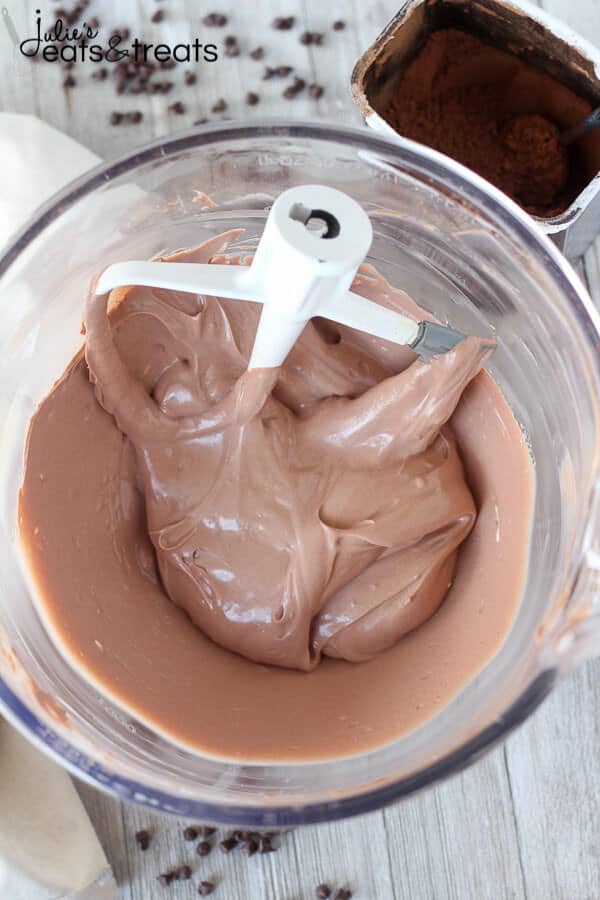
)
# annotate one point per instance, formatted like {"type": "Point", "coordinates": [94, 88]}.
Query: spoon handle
{"type": "Point", "coordinates": [591, 121]}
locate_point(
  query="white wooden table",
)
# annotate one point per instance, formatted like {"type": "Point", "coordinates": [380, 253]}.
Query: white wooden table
{"type": "Point", "coordinates": [525, 821]}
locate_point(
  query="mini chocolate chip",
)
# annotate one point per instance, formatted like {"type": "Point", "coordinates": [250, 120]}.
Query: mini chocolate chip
{"type": "Point", "coordinates": [190, 77]}
{"type": "Point", "coordinates": [252, 98]}
{"type": "Point", "coordinates": [203, 848]}
{"type": "Point", "coordinates": [158, 16]}
{"type": "Point", "coordinates": [265, 845]}
{"type": "Point", "coordinates": [283, 23]}
{"type": "Point", "coordinates": [165, 879]}
{"type": "Point", "coordinates": [230, 40]}
{"type": "Point", "coordinates": [178, 108]}
{"type": "Point", "coordinates": [205, 888]}
{"type": "Point", "coordinates": [342, 894]}
{"type": "Point", "coordinates": [257, 53]}
{"type": "Point", "coordinates": [149, 87]}
{"type": "Point", "coordinates": [100, 74]}
{"type": "Point", "coordinates": [68, 64]}
{"type": "Point", "coordinates": [206, 830]}
{"type": "Point", "coordinates": [283, 71]}
{"type": "Point", "coordinates": [116, 118]}
{"type": "Point", "coordinates": [69, 81]}
{"type": "Point", "coordinates": [190, 833]}
{"type": "Point", "coordinates": [136, 87]}
{"type": "Point", "coordinates": [215, 20]}
{"type": "Point", "coordinates": [165, 86]}
{"type": "Point", "coordinates": [120, 87]}
{"type": "Point", "coordinates": [339, 25]}
{"type": "Point", "coordinates": [249, 847]}
{"type": "Point", "coordinates": [219, 106]}
{"type": "Point", "coordinates": [306, 38]}
{"type": "Point", "coordinates": [228, 844]}
{"type": "Point", "coordinates": [299, 84]}
{"type": "Point", "coordinates": [317, 38]}
{"type": "Point", "coordinates": [135, 117]}
{"type": "Point", "coordinates": [232, 50]}
{"type": "Point", "coordinates": [316, 91]}
{"type": "Point", "coordinates": [289, 93]}
{"type": "Point", "coordinates": [269, 73]}
{"type": "Point", "coordinates": [323, 891]}
{"type": "Point", "coordinates": [184, 873]}
{"type": "Point", "coordinates": [168, 64]}
{"type": "Point", "coordinates": [142, 837]}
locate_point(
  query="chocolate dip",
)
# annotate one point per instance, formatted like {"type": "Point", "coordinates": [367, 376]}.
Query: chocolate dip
{"type": "Point", "coordinates": [220, 548]}
{"type": "Point", "coordinates": [493, 112]}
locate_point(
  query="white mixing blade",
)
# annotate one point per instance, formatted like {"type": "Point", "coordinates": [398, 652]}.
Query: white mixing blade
{"type": "Point", "coordinates": [314, 240]}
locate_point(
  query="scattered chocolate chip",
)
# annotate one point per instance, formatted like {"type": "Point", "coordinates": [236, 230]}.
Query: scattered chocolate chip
{"type": "Point", "coordinates": [339, 25]}
{"type": "Point", "coordinates": [311, 37]}
{"type": "Point", "coordinates": [135, 117]}
{"type": "Point", "coordinates": [158, 16]}
{"type": "Point", "coordinates": [265, 845]}
{"type": "Point", "coordinates": [100, 74]}
{"type": "Point", "coordinates": [164, 86]}
{"type": "Point", "coordinates": [190, 833]}
{"type": "Point", "coordinates": [215, 20]}
{"type": "Point", "coordinates": [136, 87]}
{"type": "Point", "coordinates": [294, 88]}
{"type": "Point", "coordinates": [190, 77]}
{"type": "Point", "coordinates": [68, 64]}
{"type": "Point", "coordinates": [228, 844]}
{"type": "Point", "coordinates": [232, 50]}
{"type": "Point", "coordinates": [201, 122]}
{"type": "Point", "coordinates": [168, 64]}
{"type": "Point", "coordinates": [249, 847]}
{"type": "Point", "coordinates": [230, 40]}
{"type": "Point", "coordinates": [206, 830]}
{"type": "Point", "coordinates": [316, 91]}
{"type": "Point", "coordinates": [203, 848]}
{"type": "Point", "coordinates": [283, 23]}
{"type": "Point", "coordinates": [142, 837]}
{"type": "Point", "coordinates": [219, 106]}
{"type": "Point", "coordinates": [120, 87]}
{"type": "Point", "coordinates": [269, 73]}
{"type": "Point", "coordinates": [252, 98]}
{"type": "Point", "coordinates": [342, 894]}
{"type": "Point", "coordinates": [205, 888]}
{"type": "Point", "coordinates": [178, 108]}
{"type": "Point", "coordinates": [283, 71]}
{"type": "Point", "coordinates": [323, 891]}
{"type": "Point", "coordinates": [116, 118]}
{"type": "Point", "coordinates": [165, 879]}
{"type": "Point", "coordinates": [257, 53]}
{"type": "Point", "coordinates": [69, 81]}
{"type": "Point", "coordinates": [184, 873]}
{"type": "Point", "coordinates": [150, 88]}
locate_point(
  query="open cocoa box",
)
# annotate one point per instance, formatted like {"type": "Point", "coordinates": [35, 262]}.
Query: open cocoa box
{"type": "Point", "coordinates": [554, 52]}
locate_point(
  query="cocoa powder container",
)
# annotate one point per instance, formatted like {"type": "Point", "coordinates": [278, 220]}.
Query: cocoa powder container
{"type": "Point", "coordinates": [493, 84]}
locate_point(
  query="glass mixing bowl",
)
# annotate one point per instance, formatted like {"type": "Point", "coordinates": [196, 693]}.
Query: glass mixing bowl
{"type": "Point", "coordinates": [462, 250]}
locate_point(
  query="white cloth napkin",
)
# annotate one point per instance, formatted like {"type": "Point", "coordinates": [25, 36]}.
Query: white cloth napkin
{"type": "Point", "coordinates": [48, 848]}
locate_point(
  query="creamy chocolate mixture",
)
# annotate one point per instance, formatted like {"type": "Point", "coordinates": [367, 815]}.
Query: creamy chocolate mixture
{"type": "Point", "coordinates": [220, 548]}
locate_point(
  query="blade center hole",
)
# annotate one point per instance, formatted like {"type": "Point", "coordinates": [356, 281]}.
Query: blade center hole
{"type": "Point", "coordinates": [319, 222]}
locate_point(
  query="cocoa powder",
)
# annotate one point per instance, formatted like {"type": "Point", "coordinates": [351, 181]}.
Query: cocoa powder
{"type": "Point", "coordinates": [495, 114]}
